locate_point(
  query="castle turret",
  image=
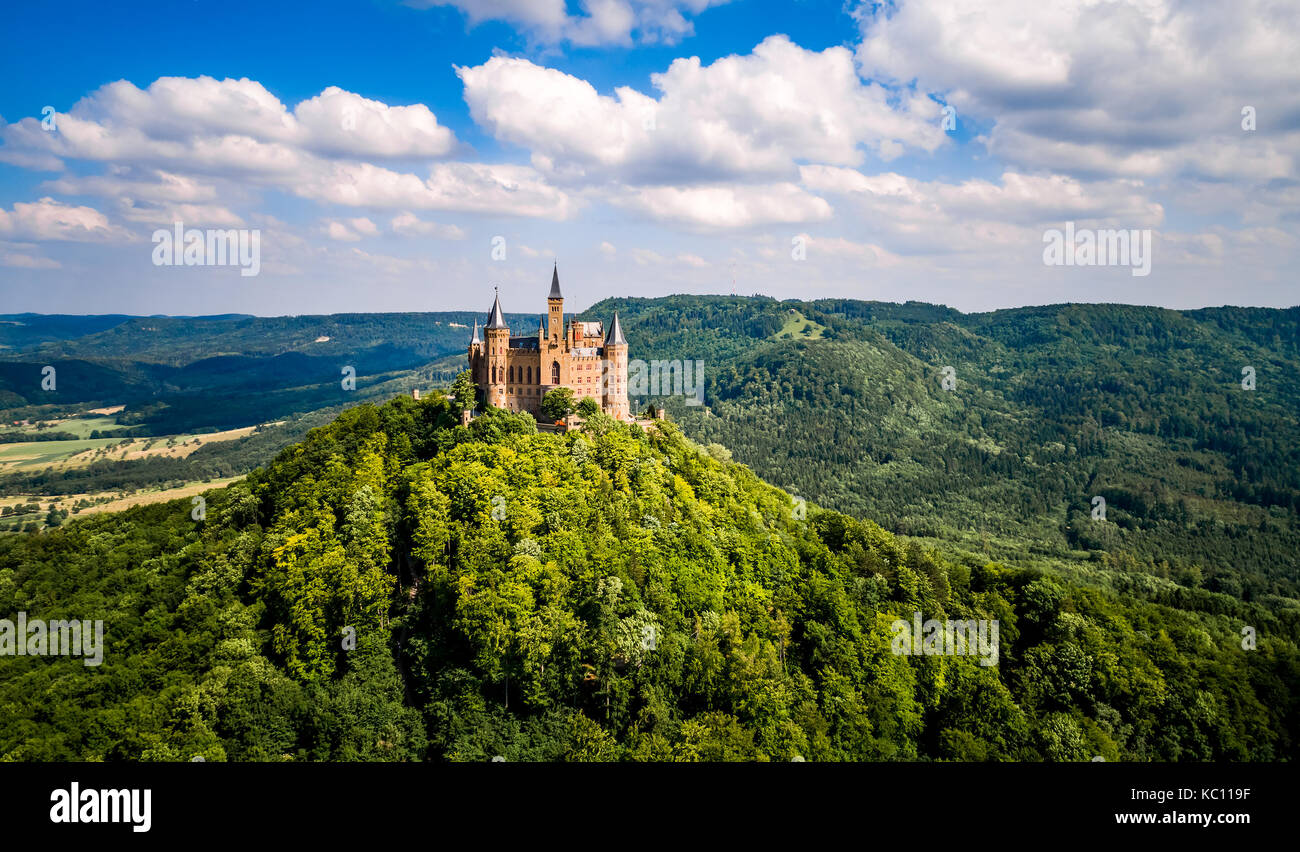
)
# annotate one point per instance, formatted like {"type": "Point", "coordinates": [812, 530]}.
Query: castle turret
{"type": "Point", "coordinates": [477, 368]}
{"type": "Point", "coordinates": [497, 335]}
{"type": "Point", "coordinates": [614, 373]}
{"type": "Point", "coordinates": [555, 308]}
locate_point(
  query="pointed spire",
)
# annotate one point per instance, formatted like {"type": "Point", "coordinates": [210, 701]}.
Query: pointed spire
{"type": "Point", "coordinates": [475, 338]}
{"type": "Point", "coordinates": [555, 283]}
{"type": "Point", "coordinates": [495, 318]}
{"type": "Point", "coordinates": [616, 337]}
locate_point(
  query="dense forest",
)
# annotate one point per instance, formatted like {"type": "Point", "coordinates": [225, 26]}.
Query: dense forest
{"type": "Point", "coordinates": [400, 587]}
{"type": "Point", "coordinates": [1051, 408]}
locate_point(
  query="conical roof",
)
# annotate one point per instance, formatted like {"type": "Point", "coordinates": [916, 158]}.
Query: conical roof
{"type": "Point", "coordinates": [495, 318]}
{"type": "Point", "coordinates": [475, 338]}
{"type": "Point", "coordinates": [616, 333]}
{"type": "Point", "coordinates": [555, 284]}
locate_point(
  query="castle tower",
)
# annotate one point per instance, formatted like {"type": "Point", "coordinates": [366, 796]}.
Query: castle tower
{"type": "Point", "coordinates": [555, 308]}
{"type": "Point", "coordinates": [498, 346]}
{"type": "Point", "coordinates": [614, 373]}
{"type": "Point", "coordinates": [477, 367]}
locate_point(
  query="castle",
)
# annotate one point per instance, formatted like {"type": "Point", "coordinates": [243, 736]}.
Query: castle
{"type": "Point", "coordinates": [514, 373]}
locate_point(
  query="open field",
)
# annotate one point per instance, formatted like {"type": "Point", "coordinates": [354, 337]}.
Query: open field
{"type": "Point", "coordinates": [79, 426]}
{"type": "Point", "coordinates": [110, 501]}
{"type": "Point", "coordinates": [35, 455]}
{"type": "Point", "coordinates": [798, 325]}
{"type": "Point", "coordinates": [32, 455]}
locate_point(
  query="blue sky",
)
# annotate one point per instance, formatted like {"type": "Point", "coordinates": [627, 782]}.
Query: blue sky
{"type": "Point", "coordinates": [411, 156]}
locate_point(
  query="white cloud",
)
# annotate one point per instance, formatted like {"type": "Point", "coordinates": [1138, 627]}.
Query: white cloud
{"type": "Point", "coordinates": [751, 117]}
{"type": "Point", "coordinates": [226, 125]}
{"type": "Point", "coordinates": [604, 21]}
{"type": "Point", "coordinates": [466, 187]}
{"type": "Point", "coordinates": [726, 205]}
{"type": "Point", "coordinates": [350, 230]}
{"type": "Point", "coordinates": [147, 184]}
{"type": "Point", "coordinates": [211, 215]}
{"type": "Point", "coordinates": [48, 219]}
{"type": "Point", "coordinates": [1139, 88]}
{"type": "Point", "coordinates": [1017, 198]}
{"type": "Point", "coordinates": [911, 216]}
{"type": "Point", "coordinates": [408, 224]}
{"type": "Point", "coordinates": [195, 140]}
{"type": "Point", "coordinates": [837, 247]}
{"type": "Point", "coordinates": [340, 122]}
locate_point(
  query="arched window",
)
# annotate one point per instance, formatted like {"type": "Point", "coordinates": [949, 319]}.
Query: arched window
{"type": "Point", "coordinates": [555, 372]}
{"type": "Point", "coordinates": [530, 376]}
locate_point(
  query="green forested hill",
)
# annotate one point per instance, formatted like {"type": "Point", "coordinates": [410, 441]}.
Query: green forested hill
{"type": "Point", "coordinates": [1053, 406]}
{"type": "Point", "coordinates": [597, 596]}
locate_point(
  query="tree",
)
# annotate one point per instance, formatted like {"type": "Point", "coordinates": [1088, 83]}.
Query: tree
{"type": "Point", "coordinates": [558, 403]}
{"type": "Point", "coordinates": [464, 396]}
{"type": "Point", "coordinates": [588, 407]}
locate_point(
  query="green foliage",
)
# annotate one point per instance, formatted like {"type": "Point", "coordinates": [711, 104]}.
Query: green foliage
{"type": "Point", "coordinates": [400, 587]}
{"type": "Point", "coordinates": [558, 403]}
{"type": "Point", "coordinates": [464, 393]}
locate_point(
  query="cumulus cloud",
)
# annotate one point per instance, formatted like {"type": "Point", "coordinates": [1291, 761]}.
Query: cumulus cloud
{"type": "Point", "coordinates": [1138, 88]}
{"type": "Point", "coordinates": [742, 117]}
{"type": "Point", "coordinates": [181, 138]}
{"type": "Point", "coordinates": [48, 219]}
{"type": "Point", "coordinates": [226, 125]}
{"type": "Point", "coordinates": [340, 122]}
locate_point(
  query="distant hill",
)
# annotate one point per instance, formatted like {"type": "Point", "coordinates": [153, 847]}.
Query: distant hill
{"type": "Point", "coordinates": [841, 401]}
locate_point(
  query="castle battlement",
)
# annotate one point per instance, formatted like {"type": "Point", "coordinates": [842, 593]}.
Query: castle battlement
{"type": "Point", "coordinates": [514, 372]}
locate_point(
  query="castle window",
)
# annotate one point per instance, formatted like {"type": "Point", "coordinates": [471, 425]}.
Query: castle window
{"type": "Point", "coordinates": [530, 375]}
{"type": "Point", "coordinates": [555, 372]}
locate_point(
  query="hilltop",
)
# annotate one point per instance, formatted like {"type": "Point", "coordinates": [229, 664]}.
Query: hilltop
{"type": "Point", "coordinates": [397, 586]}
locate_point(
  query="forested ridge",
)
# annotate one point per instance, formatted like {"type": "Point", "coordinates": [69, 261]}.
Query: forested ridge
{"type": "Point", "coordinates": [1053, 406]}
{"type": "Point", "coordinates": [609, 594]}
